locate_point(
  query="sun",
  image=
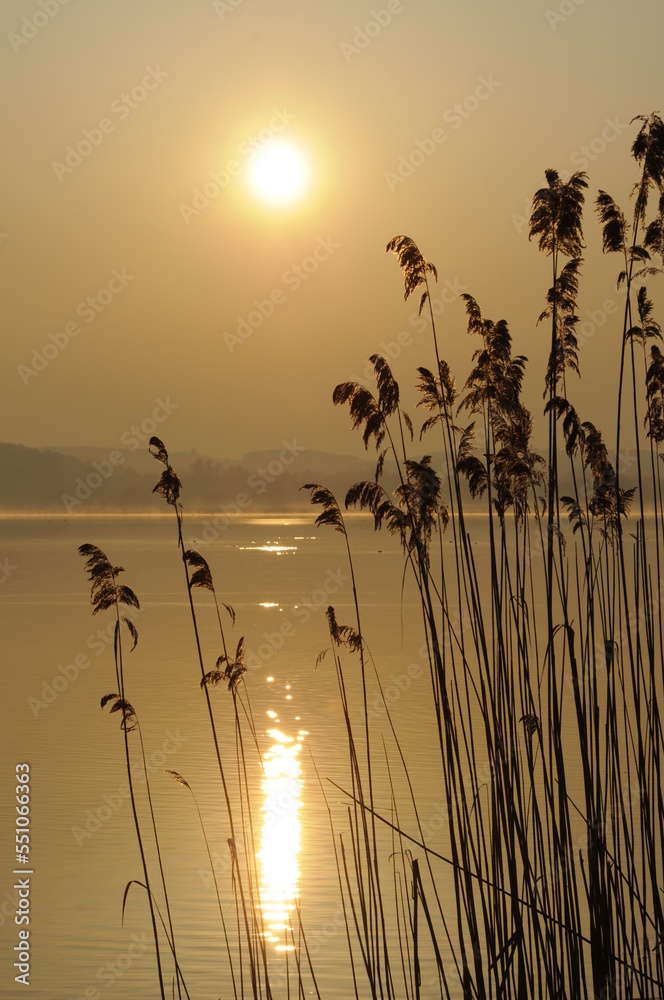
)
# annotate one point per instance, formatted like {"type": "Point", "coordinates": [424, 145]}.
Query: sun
{"type": "Point", "coordinates": [280, 174]}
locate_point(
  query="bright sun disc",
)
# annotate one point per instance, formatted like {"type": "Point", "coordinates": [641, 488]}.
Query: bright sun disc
{"type": "Point", "coordinates": [280, 173]}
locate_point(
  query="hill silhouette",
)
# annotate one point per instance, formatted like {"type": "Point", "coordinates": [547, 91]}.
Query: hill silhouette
{"type": "Point", "coordinates": [87, 480]}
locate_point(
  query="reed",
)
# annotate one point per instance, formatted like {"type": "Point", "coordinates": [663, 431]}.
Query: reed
{"type": "Point", "coordinates": [539, 909]}
{"type": "Point", "coordinates": [229, 671]}
{"type": "Point", "coordinates": [546, 717]}
{"type": "Point", "coordinates": [169, 487]}
{"type": "Point", "coordinates": [107, 594]}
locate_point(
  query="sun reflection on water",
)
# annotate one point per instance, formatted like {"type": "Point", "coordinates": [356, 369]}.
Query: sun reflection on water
{"type": "Point", "coordinates": [280, 840]}
{"type": "Point", "coordinates": [270, 547]}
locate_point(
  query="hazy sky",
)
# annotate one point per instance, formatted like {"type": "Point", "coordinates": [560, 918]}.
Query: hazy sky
{"type": "Point", "coordinates": [127, 269]}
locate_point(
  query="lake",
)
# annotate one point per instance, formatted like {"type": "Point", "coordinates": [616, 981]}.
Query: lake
{"type": "Point", "coordinates": [279, 574]}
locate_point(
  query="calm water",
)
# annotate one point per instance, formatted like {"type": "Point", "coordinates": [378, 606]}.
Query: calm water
{"type": "Point", "coordinates": [279, 575]}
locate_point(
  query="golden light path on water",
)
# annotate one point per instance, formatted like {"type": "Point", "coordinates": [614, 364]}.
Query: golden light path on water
{"type": "Point", "coordinates": [280, 840]}
{"type": "Point", "coordinates": [270, 547]}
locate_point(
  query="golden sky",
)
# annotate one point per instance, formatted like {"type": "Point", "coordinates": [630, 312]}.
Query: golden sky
{"type": "Point", "coordinates": [139, 265]}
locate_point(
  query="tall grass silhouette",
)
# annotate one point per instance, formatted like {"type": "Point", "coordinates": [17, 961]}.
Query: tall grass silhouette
{"type": "Point", "coordinates": [545, 712]}
{"type": "Point", "coordinates": [106, 594]}
{"type": "Point", "coordinates": [536, 910]}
